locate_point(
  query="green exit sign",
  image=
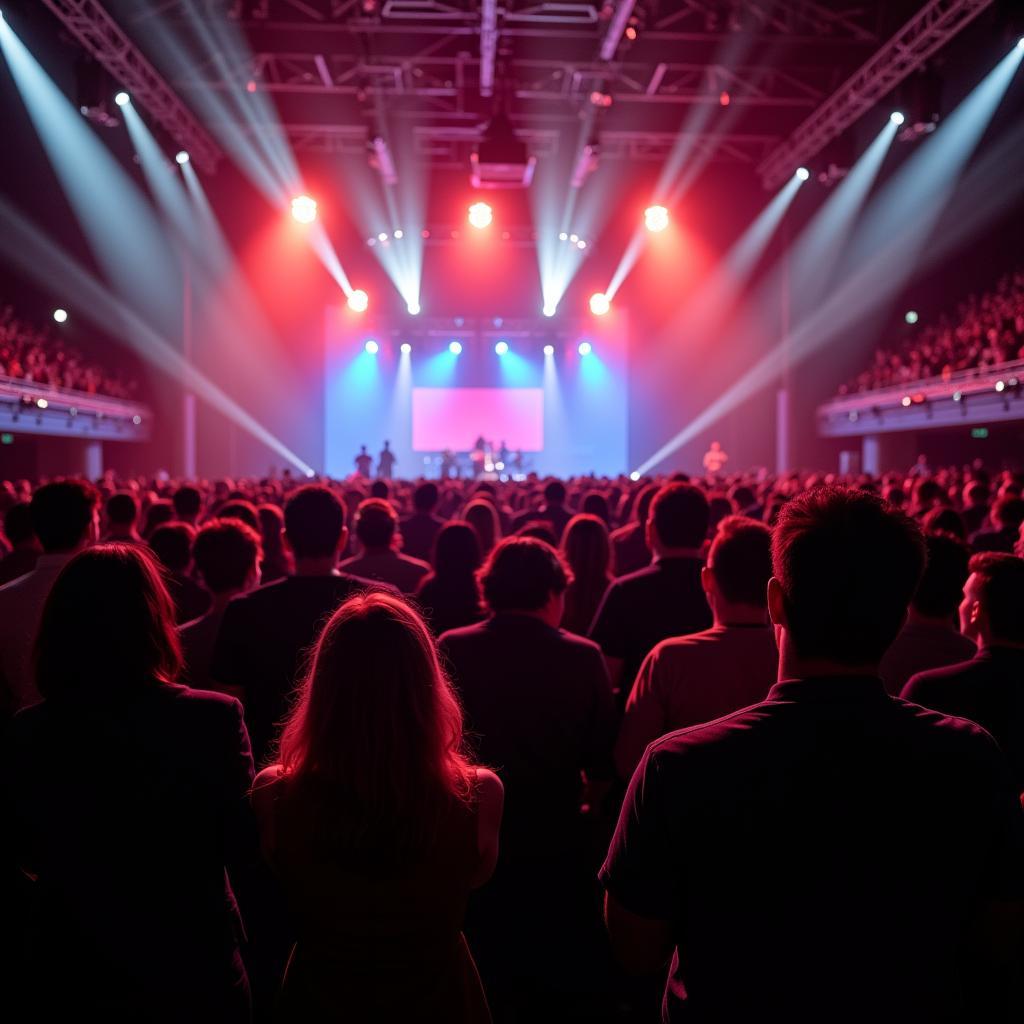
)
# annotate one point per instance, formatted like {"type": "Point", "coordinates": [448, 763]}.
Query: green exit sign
{"type": "Point", "coordinates": [979, 431]}
{"type": "Point", "coordinates": [6, 438]}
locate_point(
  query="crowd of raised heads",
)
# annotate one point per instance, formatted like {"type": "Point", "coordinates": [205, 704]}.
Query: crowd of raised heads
{"type": "Point", "coordinates": [744, 748]}
{"type": "Point", "coordinates": [983, 332]}
{"type": "Point", "coordinates": [37, 354]}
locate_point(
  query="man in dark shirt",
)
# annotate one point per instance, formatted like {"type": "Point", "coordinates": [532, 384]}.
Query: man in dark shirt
{"type": "Point", "coordinates": [264, 634]}
{"type": "Point", "coordinates": [25, 546]}
{"type": "Point", "coordinates": [834, 853]}
{"type": "Point", "coordinates": [553, 510]}
{"type": "Point", "coordinates": [1007, 518]}
{"type": "Point", "coordinates": [989, 688]}
{"type": "Point", "coordinates": [539, 704]}
{"type": "Point", "coordinates": [666, 599]}
{"type": "Point", "coordinates": [420, 530]}
{"type": "Point", "coordinates": [629, 543]}
{"type": "Point", "coordinates": [376, 525]}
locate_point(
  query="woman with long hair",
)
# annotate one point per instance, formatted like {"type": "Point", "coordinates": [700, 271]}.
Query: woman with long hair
{"type": "Point", "coordinates": [483, 517]}
{"type": "Point", "coordinates": [128, 798]}
{"type": "Point", "coordinates": [450, 595]}
{"type": "Point", "coordinates": [588, 551]}
{"type": "Point", "coordinates": [378, 826]}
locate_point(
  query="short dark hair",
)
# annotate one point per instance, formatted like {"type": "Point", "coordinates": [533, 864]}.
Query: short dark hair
{"type": "Point", "coordinates": [848, 565]}
{"type": "Point", "coordinates": [942, 582]}
{"type": "Point", "coordinates": [521, 574]}
{"type": "Point", "coordinates": [1002, 592]}
{"type": "Point", "coordinates": [225, 552]}
{"type": "Point", "coordinates": [740, 560]}
{"type": "Point", "coordinates": [680, 515]}
{"type": "Point", "coordinates": [554, 492]}
{"type": "Point", "coordinates": [187, 501]}
{"type": "Point", "coordinates": [18, 523]}
{"type": "Point", "coordinates": [62, 513]}
{"type": "Point", "coordinates": [241, 509]}
{"type": "Point", "coordinates": [1008, 512]}
{"type": "Point", "coordinates": [539, 528]}
{"type": "Point", "coordinates": [172, 545]}
{"type": "Point", "coordinates": [425, 497]}
{"type": "Point", "coordinates": [376, 522]}
{"type": "Point", "coordinates": [313, 521]}
{"type": "Point", "coordinates": [122, 508]}
{"type": "Point", "coordinates": [380, 489]}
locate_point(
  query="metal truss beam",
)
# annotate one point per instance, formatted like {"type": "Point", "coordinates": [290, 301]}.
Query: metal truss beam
{"type": "Point", "coordinates": [928, 31]}
{"type": "Point", "coordinates": [89, 22]}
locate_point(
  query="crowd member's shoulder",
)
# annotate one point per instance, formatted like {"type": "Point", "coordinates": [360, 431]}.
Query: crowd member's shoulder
{"type": "Point", "coordinates": [949, 733]}
{"type": "Point", "coordinates": [932, 682]}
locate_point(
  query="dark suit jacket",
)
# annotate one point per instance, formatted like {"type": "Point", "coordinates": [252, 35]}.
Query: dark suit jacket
{"type": "Point", "coordinates": [128, 809]}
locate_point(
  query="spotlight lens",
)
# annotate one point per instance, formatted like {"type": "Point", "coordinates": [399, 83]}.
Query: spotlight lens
{"type": "Point", "coordinates": [399, 234]}
{"type": "Point", "coordinates": [656, 218]}
{"type": "Point", "coordinates": [60, 315]}
{"type": "Point", "coordinates": [181, 157]}
{"type": "Point", "coordinates": [42, 403]}
{"type": "Point", "coordinates": [896, 117]}
{"type": "Point", "coordinates": [358, 301]}
{"type": "Point", "coordinates": [1020, 43]}
{"type": "Point", "coordinates": [585, 348]}
{"type": "Point", "coordinates": [480, 215]}
{"type": "Point", "coordinates": [455, 348]}
{"type": "Point", "coordinates": [501, 348]}
{"type": "Point", "coordinates": [911, 316]}
{"type": "Point", "coordinates": [413, 308]}
{"type": "Point", "coordinates": [599, 304]}
{"type": "Point", "coordinates": [581, 244]}
{"type": "Point", "coordinates": [549, 350]}
{"type": "Point", "coordinates": [122, 99]}
{"type": "Point", "coordinates": [406, 348]}
{"type": "Point", "coordinates": [802, 173]}
{"type": "Point", "coordinates": [634, 476]}
{"type": "Point", "coordinates": [1000, 385]}
{"type": "Point", "coordinates": [549, 309]}
{"type": "Point", "coordinates": [372, 348]}
{"type": "Point", "coordinates": [304, 209]}
{"type": "Point", "coordinates": [562, 236]}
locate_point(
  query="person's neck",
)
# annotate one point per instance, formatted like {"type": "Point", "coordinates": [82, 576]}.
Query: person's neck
{"type": "Point", "coordinates": [122, 533]}
{"type": "Point", "coordinates": [792, 665]}
{"type": "Point", "coordinates": [726, 614]}
{"type": "Point", "coordinates": [535, 613]}
{"type": "Point", "coordinates": [222, 600]}
{"type": "Point", "coordinates": [916, 618]}
{"type": "Point", "coordinates": [377, 551]}
{"type": "Point", "coordinates": [325, 566]}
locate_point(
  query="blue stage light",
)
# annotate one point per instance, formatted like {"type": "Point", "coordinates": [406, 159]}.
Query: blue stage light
{"type": "Point", "coordinates": [501, 348]}
{"type": "Point", "coordinates": [372, 347]}
{"type": "Point", "coordinates": [455, 348]}
{"type": "Point", "coordinates": [585, 348]}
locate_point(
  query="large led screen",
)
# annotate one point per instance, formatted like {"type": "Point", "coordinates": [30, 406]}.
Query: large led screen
{"type": "Point", "coordinates": [455, 417]}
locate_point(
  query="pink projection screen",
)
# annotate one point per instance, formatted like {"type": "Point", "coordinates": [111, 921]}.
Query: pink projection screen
{"type": "Point", "coordinates": [455, 417]}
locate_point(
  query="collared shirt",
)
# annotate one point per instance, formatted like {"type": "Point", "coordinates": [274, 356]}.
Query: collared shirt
{"type": "Point", "coordinates": [819, 856]}
{"type": "Point", "coordinates": [21, 608]}
{"type": "Point", "coordinates": [692, 679]}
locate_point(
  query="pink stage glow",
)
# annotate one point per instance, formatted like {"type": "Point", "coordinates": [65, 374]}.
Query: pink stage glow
{"type": "Point", "coordinates": [455, 417]}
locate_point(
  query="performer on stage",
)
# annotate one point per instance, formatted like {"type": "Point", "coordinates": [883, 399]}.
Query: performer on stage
{"type": "Point", "coordinates": [478, 456]}
{"type": "Point", "coordinates": [363, 462]}
{"type": "Point", "coordinates": [449, 467]}
{"type": "Point", "coordinates": [715, 458]}
{"type": "Point", "coordinates": [386, 462]}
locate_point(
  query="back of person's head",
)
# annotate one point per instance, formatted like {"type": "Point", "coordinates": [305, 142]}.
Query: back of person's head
{"type": "Point", "coordinates": [18, 524]}
{"type": "Point", "coordinates": [108, 626]}
{"type": "Point", "coordinates": [227, 555]}
{"type": "Point", "coordinates": [456, 550]}
{"type": "Point", "coordinates": [376, 732]}
{"type": "Point", "coordinates": [847, 565]}
{"type": "Point", "coordinates": [587, 547]}
{"type": "Point", "coordinates": [187, 501]}
{"type": "Point", "coordinates": [159, 512]}
{"type": "Point", "coordinates": [1008, 513]}
{"type": "Point", "coordinates": [425, 497]}
{"type": "Point", "coordinates": [122, 509]}
{"type": "Point", "coordinates": [942, 583]}
{"type": "Point", "coordinates": [313, 522]}
{"type": "Point", "coordinates": [976, 493]}
{"type": "Point", "coordinates": [241, 509]}
{"type": "Point", "coordinates": [895, 496]}
{"type": "Point", "coordinates": [554, 492]}
{"type": "Point", "coordinates": [719, 508]}
{"type": "Point", "coordinates": [380, 489]}
{"type": "Point", "coordinates": [63, 513]}
{"type": "Point", "coordinates": [540, 529]}
{"type": "Point", "coordinates": [483, 517]}
{"type": "Point", "coordinates": [742, 497]}
{"type": "Point", "coordinates": [1000, 580]}
{"type": "Point", "coordinates": [926, 493]}
{"type": "Point", "coordinates": [271, 527]}
{"type": "Point", "coordinates": [172, 545]}
{"type": "Point", "coordinates": [596, 504]}
{"type": "Point", "coordinates": [376, 522]}
{"type": "Point", "coordinates": [522, 574]}
{"type": "Point", "coordinates": [740, 560]}
{"type": "Point", "coordinates": [944, 519]}
{"type": "Point", "coordinates": [679, 515]}
{"type": "Point", "coordinates": [642, 509]}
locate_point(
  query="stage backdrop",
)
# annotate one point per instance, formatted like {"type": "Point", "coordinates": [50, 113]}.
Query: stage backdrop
{"type": "Point", "coordinates": [567, 411]}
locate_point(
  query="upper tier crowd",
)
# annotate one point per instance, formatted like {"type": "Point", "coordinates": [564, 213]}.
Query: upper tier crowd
{"type": "Point", "coordinates": [34, 354]}
{"type": "Point", "coordinates": [982, 333]}
{"type": "Point", "coordinates": [743, 749]}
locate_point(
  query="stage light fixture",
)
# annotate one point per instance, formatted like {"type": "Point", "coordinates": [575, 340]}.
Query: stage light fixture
{"type": "Point", "coordinates": [42, 403]}
{"type": "Point", "coordinates": [304, 209]}
{"type": "Point", "coordinates": [599, 304]}
{"type": "Point", "coordinates": [382, 237]}
{"type": "Point", "coordinates": [656, 218]}
{"type": "Point", "coordinates": [455, 348]}
{"type": "Point", "coordinates": [60, 315]}
{"type": "Point", "coordinates": [372, 348]}
{"type": "Point", "coordinates": [896, 117]}
{"type": "Point", "coordinates": [501, 348]}
{"type": "Point", "coordinates": [911, 316]}
{"type": "Point", "coordinates": [905, 401]}
{"type": "Point", "coordinates": [549, 309]}
{"type": "Point", "coordinates": [480, 215]}
{"type": "Point", "coordinates": [358, 301]}
{"type": "Point", "coordinates": [549, 350]}
{"type": "Point", "coordinates": [413, 308]}
{"type": "Point", "coordinates": [122, 99]}
{"type": "Point", "coordinates": [574, 239]}
{"type": "Point", "coordinates": [581, 244]}
{"type": "Point", "coordinates": [562, 236]}
{"type": "Point", "coordinates": [399, 234]}
{"type": "Point", "coordinates": [634, 476]}
{"type": "Point", "coordinates": [802, 173]}
{"type": "Point", "coordinates": [584, 348]}
{"type": "Point", "coordinates": [181, 157]}
{"type": "Point", "coordinates": [1020, 43]}
{"type": "Point", "coordinates": [406, 348]}
{"type": "Point", "coordinates": [1000, 386]}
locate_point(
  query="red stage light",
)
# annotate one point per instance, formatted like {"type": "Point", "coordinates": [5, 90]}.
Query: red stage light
{"type": "Point", "coordinates": [304, 209]}
{"type": "Point", "coordinates": [480, 215]}
{"type": "Point", "coordinates": [358, 301]}
{"type": "Point", "coordinates": [599, 304]}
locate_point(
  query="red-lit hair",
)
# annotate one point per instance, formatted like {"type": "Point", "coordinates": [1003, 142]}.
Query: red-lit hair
{"type": "Point", "coordinates": [375, 734]}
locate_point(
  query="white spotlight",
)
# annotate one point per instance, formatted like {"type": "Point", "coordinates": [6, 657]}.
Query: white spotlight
{"type": "Point", "coordinates": [60, 315]}
{"type": "Point", "coordinates": [413, 308]}
{"type": "Point", "coordinates": [372, 348]}
{"type": "Point", "coordinates": [1020, 43]}
{"type": "Point", "coordinates": [584, 348]}
{"type": "Point", "coordinates": [549, 309]}
{"type": "Point", "coordinates": [406, 348]}
{"type": "Point", "coordinates": [599, 304]}
{"type": "Point", "coordinates": [480, 215]}
{"type": "Point", "coordinates": [181, 157]}
{"type": "Point", "coordinates": [304, 209]}
{"type": "Point", "coordinates": [562, 236]}
{"type": "Point", "coordinates": [656, 218]}
{"type": "Point", "coordinates": [634, 476]}
{"type": "Point", "coordinates": [455, 348]}
{"type": "Point", "coordinates": [896, 117]}
{"type": "Point", "coordinates": [122, 99]}
{"type": "Point", "coordinates": [399, 234]}
{"type": "Point", "coordinates": [802, 173]}
{"type": "Point", "coordinates": [549, 350]}
{"type": "Point", "coordinates": [382, 237]}
{"type": "Point", "coordinates": [501, 348]}
{"type": "Point", "coordinates": [358, 301]}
